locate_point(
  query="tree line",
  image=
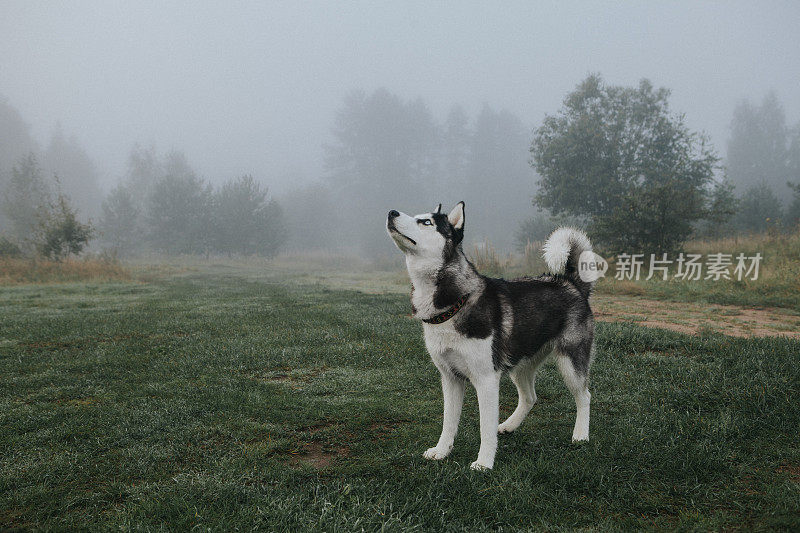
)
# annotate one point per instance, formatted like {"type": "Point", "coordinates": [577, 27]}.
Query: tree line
{"type": "Point", "coordinates": [390, 153]}
{"type": "Point", "coordinates": [615, 159]}
{"type": "Point", "coordinates": [163, 206]}
{"type": "Point", "coordinates": [764, 164]}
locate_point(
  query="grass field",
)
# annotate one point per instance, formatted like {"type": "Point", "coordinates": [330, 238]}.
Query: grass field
{"type": "Point", "coordinates": [239, 397]}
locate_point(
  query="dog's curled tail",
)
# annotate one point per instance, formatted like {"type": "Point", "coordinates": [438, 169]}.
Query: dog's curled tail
{"type": "Point", "coordinates": [561, 252]}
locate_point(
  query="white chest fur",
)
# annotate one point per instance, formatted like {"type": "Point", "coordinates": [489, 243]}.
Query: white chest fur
{"type": "Point", "coordinates": [449, 349]}
{"type": "Point", "coordinates": [424, 287]}
{"type": "Point", "coordinates": [453, 351]}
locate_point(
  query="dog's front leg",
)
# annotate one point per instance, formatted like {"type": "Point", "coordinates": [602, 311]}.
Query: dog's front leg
{"type": "Point", "coordinates": [488, 389]}
{"type": "Point", "coordinates": [453, 390]}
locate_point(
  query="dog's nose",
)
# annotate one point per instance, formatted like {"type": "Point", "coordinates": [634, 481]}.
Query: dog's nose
{"type": "Point", "coordinates": [393, 214]}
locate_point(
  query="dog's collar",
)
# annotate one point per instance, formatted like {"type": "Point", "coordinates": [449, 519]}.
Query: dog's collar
{"type": "Point", "coordinates": [450, 313]}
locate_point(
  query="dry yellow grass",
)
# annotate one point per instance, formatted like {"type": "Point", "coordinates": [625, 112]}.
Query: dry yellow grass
{"type": "Point", "coordinates": [781, 252]}
{"type": "Point", "coordinates": [24, 271]}
{"type": "Point", "coordinates": [488, 261]}
{"type": "Point", "coordinates": [778, 283]}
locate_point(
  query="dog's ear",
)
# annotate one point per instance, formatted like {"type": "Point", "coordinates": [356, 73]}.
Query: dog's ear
{"type": "Point", "coordinates": [438, 210]}
{"type": "Point", "coordinates": [456, 216]}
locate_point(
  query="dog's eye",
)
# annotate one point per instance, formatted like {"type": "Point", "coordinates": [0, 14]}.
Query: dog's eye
{"type": "Point", "coordinates": [427, 222]}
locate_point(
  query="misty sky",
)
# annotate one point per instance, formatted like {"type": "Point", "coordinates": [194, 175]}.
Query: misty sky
{"type": "Point", "coordinates": [253, 87]}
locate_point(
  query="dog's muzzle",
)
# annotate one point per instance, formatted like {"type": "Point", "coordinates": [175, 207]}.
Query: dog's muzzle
{"type": "Point", "coordinates": [393, 229]}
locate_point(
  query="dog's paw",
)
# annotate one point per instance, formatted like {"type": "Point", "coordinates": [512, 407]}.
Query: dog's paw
{"type": "Point", "coordinates": [580, 438]}
{"type": "Point", "coordinates": [436, 454]}
{"type": "Point", "coordinates": [480, 467]}
{"type": "Point", "coordinates": [505, 427]}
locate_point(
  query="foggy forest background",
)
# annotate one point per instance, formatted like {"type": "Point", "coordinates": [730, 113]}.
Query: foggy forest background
{"type": "Point", "coordinates": [387, 152]}
{"type": "Point", "coordinates": [248, 129]}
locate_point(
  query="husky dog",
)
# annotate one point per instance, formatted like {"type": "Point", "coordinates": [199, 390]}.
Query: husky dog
{"type": "Point", "coordinates": [477, 327]}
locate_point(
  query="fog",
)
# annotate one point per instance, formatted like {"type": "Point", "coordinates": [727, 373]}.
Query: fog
{"type": "Point", "coordinates": [256, 89]}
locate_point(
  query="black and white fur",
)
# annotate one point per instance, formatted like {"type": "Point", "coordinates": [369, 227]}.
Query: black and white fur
{"type": "Point", "coordinates": [504, 325]}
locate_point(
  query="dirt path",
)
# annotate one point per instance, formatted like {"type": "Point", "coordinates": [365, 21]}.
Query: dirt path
{"type": "Point", "coordinates": [693, 318]}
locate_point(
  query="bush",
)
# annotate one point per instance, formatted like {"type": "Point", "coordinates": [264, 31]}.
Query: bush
{"type": "Point", "coordinates": [8, 248]}
{"type": "Point", "coordinates": [60, 233]}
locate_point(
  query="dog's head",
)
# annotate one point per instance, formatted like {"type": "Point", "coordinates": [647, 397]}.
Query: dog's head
{"type": "Point", "coordinates": [428, 236]}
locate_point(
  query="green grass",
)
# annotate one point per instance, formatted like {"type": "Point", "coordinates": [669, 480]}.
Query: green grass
{"type": "Point", "coordinates": [772, 293]}
{"type": "Point", "coordinates": [232, 398]}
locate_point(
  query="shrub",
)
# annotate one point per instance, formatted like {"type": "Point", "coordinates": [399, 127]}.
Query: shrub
{"type": "Point", "coordinates": [60, 233]}
{"type": "Point", "coordinates": [8, 248]}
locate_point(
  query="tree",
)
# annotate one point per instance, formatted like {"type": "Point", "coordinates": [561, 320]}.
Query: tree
{"type": "Point", "coordinates": [25, 200]}
{"type": "Point", "coordinates": [120, 221]}
{"type": "Point", "coordinates": [175, 164]}
{"type": "Point", "coordinates": [498, 182]}
{"type": "Point", "coordinates": [422, 141]}
{"type": "Point", "coordinates": [179, 210]}
{"type": "Point", "coordinates": [77, 173]}
{"type": "Point", "coordinates": [760, 149]}
{"type": "Point", "coordinates": [759, 209]}
{"type": "Point", "coordinates": [793, 211]}
{"type": "Point", "coordinates": [722, 206]}
{"type": "Point", "coordinates": [60, 234]}
{"type": "Point", "coordinates": [456, 144]}
{"type": "Point", "coordinates": [53, 230]}
{"type": "Point", "coordinates": [145, 168]}
{"type": "Point", "coordinates": [275, 233]}
{"type": "Point", "coordinates": [15, 142]}
{"type": "Point", "coordinates": [384, 151]}
{"type": "Point", "coordinates": [618, 156]}
{"type": "Point", "coordinates": [16, 137]}
{"type": "Point", "coordinates": [245, 222]}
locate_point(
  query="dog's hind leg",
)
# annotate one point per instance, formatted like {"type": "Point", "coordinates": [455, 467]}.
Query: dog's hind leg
{"type": "Point", "coordinates": [524, 377]}
{"type": "Point", "coordinates": [574, 367]}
